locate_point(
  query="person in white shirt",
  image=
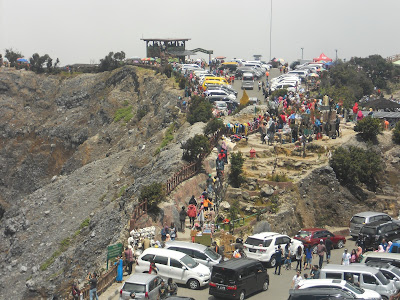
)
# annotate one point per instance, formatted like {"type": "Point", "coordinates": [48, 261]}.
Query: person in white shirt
{"type": "Point", "coordinates": [296, 279]}
{"type": "Point", "coordinates": [346, 258]}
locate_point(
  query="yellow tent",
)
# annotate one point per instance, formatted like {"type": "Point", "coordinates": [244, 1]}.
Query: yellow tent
{"type": "Point", "coordinates": [245, 99]}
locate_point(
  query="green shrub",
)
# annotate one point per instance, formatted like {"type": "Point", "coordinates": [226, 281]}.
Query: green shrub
{"type": "Point", "coordinates": [85, 223]}
{"type": "Point", "coordinates": [368, 128]}
{"type": "Point", "coordinates": [124, 113]}
{"type": "Point", "coordinates": [194, 147]}
{"type": "Point", "coordinates": [142, 112]}
{"type": "Point", "coordinates": [154, 193]}
{"type": "Point", "coordinates": [355, 165]}
{"type": "Point", "coordinates": [182, 83]}
{"type": "Point", "coordinates": [200, 110]}
{"type": "Point", "coordinates": [234, 210]}
{"type": "Point", "coordinates": [396, 133]}
{"type": "Point", "coordinates": [235, 176]}
{"type": "Point", "coordinates": [213, 126]}
{"type": "Point", "coordinates": [279, 177]}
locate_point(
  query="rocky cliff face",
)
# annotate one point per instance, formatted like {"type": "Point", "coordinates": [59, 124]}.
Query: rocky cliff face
{"type": "Point", "coordinates": [70, 173]}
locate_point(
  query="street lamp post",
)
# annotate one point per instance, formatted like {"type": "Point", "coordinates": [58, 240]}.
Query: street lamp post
{"type": "Point", "coordinates": [336, 54]}
{"type": "Point", "coordinates": [302, 53]}
{"type": "Point", "coordinates": [270, 35]}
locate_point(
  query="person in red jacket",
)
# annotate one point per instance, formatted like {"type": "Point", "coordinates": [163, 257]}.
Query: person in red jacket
{"type": "Point", "coordinates": [192, 213]}
{"type": "Point", "coordinates": [355, 111]}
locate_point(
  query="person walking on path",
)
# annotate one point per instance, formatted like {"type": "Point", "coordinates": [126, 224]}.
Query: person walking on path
{"type": "Point", "coordinates": [192, 213]}
{"type": "Point", "coordinates": [210, 185]}
{"type": "Point", "coordinates": [76, 292]}
{"type": "Point", "coordinates": [164, 232]}
{"type": "Point", "coordinates": [93, 286]}
{"type": "Point", "coordinates": [309, 255]}
{"type": "Point", "coordinates": [321, 249]}
{"type": "Point", "coordinates": [129, 259]}
{"type": "Point", "coordinates": [120, 269]}
{"type": "Point", "coordinates": [296, 279]}
{"type": "Point", "coordinates": [173, 232]}
{"type": "Point", "coordinates": [288, 259]}
{"type": "Point", "coordinates": [163, 291]}
{"type": "Point", "coordinates": [278, 258]}
{"type": "Point", "coordinates": [299, 256]}
{"type": "Point", "coordinates": [346, 258]}
{"type": "Point", "coordinates": [182, 218]}
{"type": "Point", "coordinates": [172, 288]}
{"type": "Point", "coordinates": [329, 247]}
{"type": "Point", "coordinates": [337, 125]}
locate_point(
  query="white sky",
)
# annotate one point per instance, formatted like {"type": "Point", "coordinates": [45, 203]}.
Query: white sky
{"type": "Point", "coordinates": [83, 31]}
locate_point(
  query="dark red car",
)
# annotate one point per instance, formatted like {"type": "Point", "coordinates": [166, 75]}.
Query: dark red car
{"type": "Point", "coordinates": [312, 236]}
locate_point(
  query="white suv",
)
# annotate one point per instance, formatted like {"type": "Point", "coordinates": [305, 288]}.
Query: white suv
{"type": "Point", "coordinates": [365, 294]}
{"type": "Point", "coordinates": [262, 246]}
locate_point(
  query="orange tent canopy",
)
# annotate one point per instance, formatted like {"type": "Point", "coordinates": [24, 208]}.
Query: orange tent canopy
{"type": "Point", "coordinates": [322, 57]}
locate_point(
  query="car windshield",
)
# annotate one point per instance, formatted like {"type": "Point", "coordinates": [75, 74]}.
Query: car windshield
{"type": "Point", "coordinates": [354, 289]}
{"type": "Point", "coordinates": [223, 276]}
{"type": "Point", "coordinates": [258, 242]}
{"type": "Point", "coordinates": [396, 271]}
{"type": "Point", "coordinates": [382, 278]}
{"type": "Point", "coordinates": [368, 230]}
{"type": "Point", "coordinates": [189, 262]}
{"type": "Point", "coordinates": [303, 234]}
{"type": "Point", "coordinates": [357, 220]}
{"type": "Point", "coordinates": [211, 254]}
{"type": "Point", "coordinates": [134, 287]}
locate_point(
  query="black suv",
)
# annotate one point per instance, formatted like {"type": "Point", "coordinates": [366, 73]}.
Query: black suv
{"type": "Point", "coordinates": [319, 294]}
{"type": "Point", "coordinates": [372, 234]}
{"type": "Point", "coordinates": [237, 278]}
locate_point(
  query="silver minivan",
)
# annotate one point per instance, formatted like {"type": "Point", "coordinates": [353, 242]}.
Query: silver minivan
{"type": "Point", "coordinates": [145, 286]}
{"type": "Point", "coordinates": [360, 219]}
{"type": "Point", "coordinates": [364, 276]}
{"type": "Point", "coordinates": [247, 81]}
{"type": "Point", "coordinates": [200, 253]}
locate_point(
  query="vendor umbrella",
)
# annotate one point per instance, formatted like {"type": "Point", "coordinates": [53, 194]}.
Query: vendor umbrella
{"type": "Point", "coordinates": [313, 75]}
{"type": "Point", "coordinates": [220, 57]}
{"type": "Point", "coordinates": [22, 60]}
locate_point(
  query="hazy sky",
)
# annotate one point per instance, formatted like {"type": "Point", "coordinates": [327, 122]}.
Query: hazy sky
{"type": "Point", "coordinates": [81, 31]}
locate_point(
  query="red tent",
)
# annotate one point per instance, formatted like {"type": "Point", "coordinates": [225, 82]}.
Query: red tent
{"type": "Point", "coordinates": [322, 57]}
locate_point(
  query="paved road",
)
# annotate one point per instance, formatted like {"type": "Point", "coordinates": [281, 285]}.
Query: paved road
{"type": "Point", "coordinates": [279, 285]}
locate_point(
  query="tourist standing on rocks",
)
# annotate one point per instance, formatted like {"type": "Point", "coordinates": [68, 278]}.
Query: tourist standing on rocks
{"type": "Point", "coordinates": [337, 125]}
{"type": "Point", "coordinates": [321, 249]}
{"type": "Point", "coordinates": [120, 268]}
{"type": "Point", "coordinates": [129, 259]}
{"type": "Point", "coordinates": [210, 184]}
{"type": "Point", "coordinates": [182, 218]}
{"type": "Point", "coordinates": [173, 232]}
{"type": "Point", "coordinates": [93, 286]}
{"type": "Point", "coordinates": [76, 292]}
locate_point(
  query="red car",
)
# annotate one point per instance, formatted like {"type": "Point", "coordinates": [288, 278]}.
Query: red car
{"type": "Point", "coordinates": [312, 236]}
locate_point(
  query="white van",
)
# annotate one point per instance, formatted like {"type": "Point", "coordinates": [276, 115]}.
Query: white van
{"type": "Point", "coordinates": [247, 81]}
{"type": "Point", "coordinates": [176, 265]}
{"type": "Point", "coordinates": [365, 277]}
{"type": "Point", "coordinates": [301, 73]}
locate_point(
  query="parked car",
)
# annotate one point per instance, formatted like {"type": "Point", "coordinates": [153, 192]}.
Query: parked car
{"type": "Point", "coordinates": [312, 236]}
{"type": "Point", "coordinates": [389, 271]}
{"type": "Point", "coordinates": [247, 81]}
{"type": "Point", "coordinates": [176, 265]}
{"type": "Point", "coordinates": [391, 258]}
{"type": "Point", "coordinates": [395, 247]}
{"type": "Point", "coordinates": [320, 294]}
{"type": "Point", "coordinates": [237, 278]}
{"type": "Point", "coordinates": [355, 291]}
{"type": "Point", "coordinates": [360, 219]}
{"type": "Point", "coordinates": [372, 234]}
{"type": "Point", "coordinates": [145, 286]}
{"type": "Point", "coordinates": [222, 87]}
{"type": "Point", "coordinates": [364, 276]}
{"type": "Point", "coordinates": [200, 253]}
{"type": "Point", "coordinates": [221, 92]}
{"type": "Point", "coordinates": [262, 246]}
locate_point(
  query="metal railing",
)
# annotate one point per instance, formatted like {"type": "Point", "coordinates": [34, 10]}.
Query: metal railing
{"type": "Point", "coordinates": [139, 211]}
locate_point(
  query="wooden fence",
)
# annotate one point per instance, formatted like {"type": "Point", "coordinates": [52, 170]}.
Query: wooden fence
{"type": "Point", "coordinates": [139, 211]}
{"type": "Point", "coordinates": [103, 283]}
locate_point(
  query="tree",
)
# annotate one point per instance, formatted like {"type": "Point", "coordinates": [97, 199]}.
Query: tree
{"type": "Point", "coordinates": [235, 176]}
{"type": "Point", "coordinates": [355, 165]}
{"type": "Point", "coordinates": [12, 56]}
{"type": "Point", "coordinates": [396, 133]}
{"type": "Point", "coordinates": [37, 62]}
{"type": "Point", "coordinates": [200, 110]}
{"type": "Point", "coordinates": [294, 64]}
{"type": "Point", "coordinates": [213, 126]}
{"type": "Point", "coordinates": [49, 65]}
{"type": "Point", "coordinates": [154, 193]}
{"type": "Point", "coordinates": [368, 128]}
{"type": "Point", "coordinates": [194, 147]}
{"type": "Point", "coordinates": [120, 56]}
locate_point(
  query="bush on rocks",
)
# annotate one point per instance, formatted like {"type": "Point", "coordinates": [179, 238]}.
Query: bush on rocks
{"type": "Point", "coordinates": [396, 133]}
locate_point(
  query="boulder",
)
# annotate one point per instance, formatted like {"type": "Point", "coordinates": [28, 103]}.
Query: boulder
{"type": "Point", "coordinates": [262, 226]}
{"type": "Point", "coordinates": [245, 195]}
{"type": "Point", "coordinates": [224, 205]}
{"type": "Point", "coordinates": [266, 191]}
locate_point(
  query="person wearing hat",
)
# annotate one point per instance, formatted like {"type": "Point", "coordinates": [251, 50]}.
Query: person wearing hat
{"type": "Point", "coordinates": [346, 258]}
{"type": "Point", "coordinates": [321, 249]}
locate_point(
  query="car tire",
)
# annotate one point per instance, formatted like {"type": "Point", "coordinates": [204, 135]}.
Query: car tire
{"type": "Point", "coordinates": [272, 262]}
{"type": "Point", "coordinates": [242, 295]}
{"type": "Point", "coordinates": [340, 244]}
{"type": "Point", "coordinates": [385, 298]}
{"type": "Point", "coordinates": [193, 284]}
{"type": "Point", "coordinates": [265, 285]}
